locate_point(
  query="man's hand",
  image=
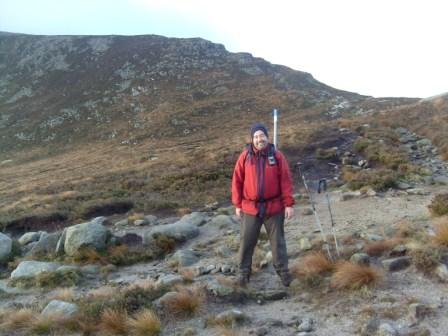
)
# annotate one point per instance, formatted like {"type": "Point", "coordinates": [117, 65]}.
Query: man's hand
{"type": "Point", "coordinates": [289, 212]}
{"type": "Point", "coordinates": [238, 212]}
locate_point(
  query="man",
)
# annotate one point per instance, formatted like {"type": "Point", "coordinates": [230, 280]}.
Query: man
{"type": "Point", "coordinates": [262, 194]}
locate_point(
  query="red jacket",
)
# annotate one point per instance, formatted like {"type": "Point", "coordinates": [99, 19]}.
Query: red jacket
{"type": "Point", "coordinates": [251, 183]}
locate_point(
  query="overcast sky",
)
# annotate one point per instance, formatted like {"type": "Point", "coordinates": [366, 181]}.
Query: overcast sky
{"type": "Point", "coordinates": [372, 47]}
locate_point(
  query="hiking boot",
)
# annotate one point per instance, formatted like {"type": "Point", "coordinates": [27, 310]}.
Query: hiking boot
{"type": "Point", "coordinates": [243, 280]}
{"type": "Point", "coordinates": [286, 279]}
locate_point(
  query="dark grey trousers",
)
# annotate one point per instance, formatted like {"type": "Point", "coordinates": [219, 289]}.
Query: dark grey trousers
{"type": "Point", "coordinates": [250, 229]}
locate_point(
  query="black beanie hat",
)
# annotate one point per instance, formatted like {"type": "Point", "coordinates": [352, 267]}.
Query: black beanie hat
{"type": "Point", "coordinates": [258, 127]}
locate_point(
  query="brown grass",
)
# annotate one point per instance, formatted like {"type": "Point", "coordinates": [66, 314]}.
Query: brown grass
{"type": "Point", "coordinates": [351, 276]}
{"type": "Point", "coordinates": [439, 205]}
{"type": "Point", "coordinates": [312, 264]}
{"type": "Point", "coordinates": [187, 274]}
{"type": "Point", "coordinates": [441, 233]}
{"type": "Point", "coordinates": [378, 248]}
{"type": "Point", "coordinates": [145, 323]}
{"type": "Point", "coordinates": [186, 302]}
{"type": "Point", "coordinates": [114, 322]}
{"type": "Point", "coordinates": [103, 292]}
{"type": "Point", "coordinates": [64, 294]}
{"type": "Point", "coordinates": [17, 320]}
{"type": "Point", "coordinates": [425, 258]}
{"type": "Point", "coordinates": [405, 229]}
{"type": "Point", "coordinates": [46, 324]}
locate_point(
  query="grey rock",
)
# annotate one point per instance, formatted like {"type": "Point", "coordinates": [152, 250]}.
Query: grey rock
{"type": "Point", "coordinates": [185, 258]}
{"type": "Point", "coordinates": [403, 186]}
{"type": "Point", "coordinates": [5, 247]}
{"type": "Point", "coordinates": [385, 329]}
{"type": "Point", "coordinates": [232, 316]}
{"type": "Point", "coordinates": [195, 218]}
{"type": "Point", "coordinates": [151, 219]}
{"type": "Point", "coordinates": [68, 268]}
{"type": "Point", "coordinates": [441, 272]}
{"type": "Point", "coordinates": [180, 231]}
{"type": "Point", "coordinates": [140, 222]}
{"type": "Point", "coordinates": [46, 244]}
{"type": "Point", "coordinates": [371, 327]}
{"type": "Point", "coordinates": [360, 259]}
{"type": "Point", "coordinates": [222, 222]}
{"type": "Point", "coordinates": [123, 222]}
{"type": "Point", "coordinates": [307, 325]}
{"type": "Point", "coordinates": [397, 264]}
{"type": "Point", "coordinates": [64, 309]}
{"type": "Point", "coordinates": [170, 280]}
{"type": "Point", "coordinates": [91, 270]}
{"type": "Point", "coordinates": [443, 180]}
{"type": "Point", "coordinates": [30, 268]}
{"type": "Point", "coordinates": [90, 234]}
{"type": "Point", "coordinates": [101, 220]}
{"type": "Point", "coordinates": [29, 237]}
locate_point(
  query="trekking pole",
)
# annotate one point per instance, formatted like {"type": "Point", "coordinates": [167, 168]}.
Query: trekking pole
{"type": "Point", "coordinates": [323, 182]}
{"type": "Point", "coordinates": [274, 112]}
{"type": "Point", "coordinates": [319, 225]}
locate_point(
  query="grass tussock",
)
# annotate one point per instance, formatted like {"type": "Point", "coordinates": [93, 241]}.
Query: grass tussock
{"type": "Point", "coordinates": [352, 276]}
{"type": "Point", "coordinates": [18, 320]}
{"type": "Point", "coordinates": [425, 258]}
{"type": "Point", "coordinates": [439, 205]}
{"type": "Point", "coordinates": [46, 324]}
{"type": "Point", "coordinates": [378, 248]}
{"type": "Point", "coordinates": [145, 323]}
{"type": "Point", "coordinates": [312, 264]}
{"type": "Point", "coordinates": [118, 255]}
{"type": "Point", "coordinates": [114, 322]}
{"type": "Point", "coordinates": [441, 233]}
{"type": "Point", "coordinates": [186, 302]}
{"type": "Point", "coordinates": [64, 294]}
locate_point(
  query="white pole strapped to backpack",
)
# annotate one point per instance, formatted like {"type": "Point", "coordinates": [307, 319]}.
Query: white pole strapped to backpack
{"type": "Point", "coordinates": [274, 112]}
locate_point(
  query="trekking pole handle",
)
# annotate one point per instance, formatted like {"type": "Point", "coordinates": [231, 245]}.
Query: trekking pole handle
{"type": "Point", "coordinates": [322, 185]}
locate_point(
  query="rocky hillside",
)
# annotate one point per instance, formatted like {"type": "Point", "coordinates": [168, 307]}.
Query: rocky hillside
{"type": "Point", "coordinates": [58, 90]}
{"type": "Point", "coordinates": [90, 123]}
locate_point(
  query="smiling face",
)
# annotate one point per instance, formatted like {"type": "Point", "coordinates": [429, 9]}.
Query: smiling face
{"type": "Point", "coordinates": [260, 140]}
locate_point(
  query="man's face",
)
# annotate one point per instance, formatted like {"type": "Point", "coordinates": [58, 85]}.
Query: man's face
{"type": "Point", "coordinates": [260, 140]}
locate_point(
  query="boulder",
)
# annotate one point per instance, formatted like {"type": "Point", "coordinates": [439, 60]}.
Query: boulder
{"type": "Point", "coordinates": [90, 234]}
{"type": "Point", "coordinates": [185, 258]}
{"type": "Point", "coordinates": [222, 222]}
{"type": "Point", "coordinates": [29, 237]}
{"type": "Point", "coordinates": [180, 231]}
{"type": "Point", "coordinates": [31, 268]}
{"type": "Point", "coordinates": [60, 308]}
{"type": "Point", "coordinates": [46, 244]}
{"type": "Point", "coordinates": [5, 247]}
